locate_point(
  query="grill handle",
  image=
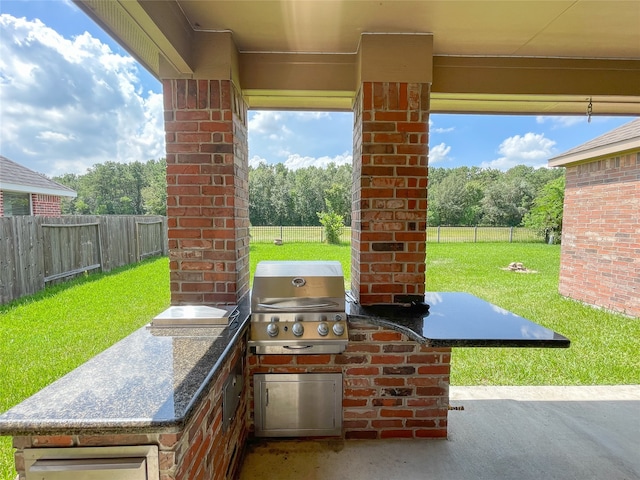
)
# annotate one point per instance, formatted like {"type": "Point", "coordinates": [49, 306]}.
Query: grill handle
{"type": "Point", "coordinates": [296, 347]}
{"type": "Point", "coordinates": [278, 306]}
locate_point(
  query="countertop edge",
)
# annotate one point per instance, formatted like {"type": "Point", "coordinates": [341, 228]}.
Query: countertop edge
{"type": "Point", "coordinates": [382, 322]}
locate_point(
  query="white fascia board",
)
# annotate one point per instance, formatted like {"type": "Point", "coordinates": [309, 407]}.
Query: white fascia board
{"type": "Point", "coordinates": [14, 187]}
{"type": "Point", "coordinates": [602, 151]}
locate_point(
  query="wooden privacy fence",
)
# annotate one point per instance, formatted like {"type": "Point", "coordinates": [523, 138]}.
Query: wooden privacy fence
{"type": "Point", "coordinates": [36, 251]}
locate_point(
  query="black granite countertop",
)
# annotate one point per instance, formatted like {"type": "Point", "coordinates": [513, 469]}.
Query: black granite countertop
{"type": "Point", "coordinates": [148, 382]}
{"type": "Point", "coordinates": [456, 319]}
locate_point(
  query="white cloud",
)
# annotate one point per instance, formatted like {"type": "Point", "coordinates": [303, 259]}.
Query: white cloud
{"type": "Point", "coordinates": [561, 122]}
{"type": "Point", "coordinates": [255, 161]}
{"type": "Point", "coordinates": [306, 116]}
{"type": "Point", "coordinates": [433, 129]}
{"type": "Point", "coordinates": [531, 149]}
{"type": "Point", "coordinates": [442, 130]}
{"type": "Point", "coordinates": [70, 103]}
{"type": "Point", "coordinates": [269, 124]}
{"type": "Point", "coordinates": [439, 153]}
{"type": "Point", "coordinates": [295, 161]}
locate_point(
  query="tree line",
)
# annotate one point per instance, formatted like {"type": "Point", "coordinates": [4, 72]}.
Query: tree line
{"type": "Point", "coordinates": [462, 196]}
{"type": "Point", "coordinates": [469, 196]}
{"type": "Point", "coordinates": [113, 188]}
{"type": "Point", "coordinates": [279, 196]}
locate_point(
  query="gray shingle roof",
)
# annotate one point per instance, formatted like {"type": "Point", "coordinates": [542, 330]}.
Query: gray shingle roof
{"type": "Point", "coordinates": [16, 177]}
{"type": "Point", "coordinates": [625, 137]}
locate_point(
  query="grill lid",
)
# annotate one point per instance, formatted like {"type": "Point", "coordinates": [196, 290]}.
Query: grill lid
{"type": "Point", "coordinates": [298, 286]}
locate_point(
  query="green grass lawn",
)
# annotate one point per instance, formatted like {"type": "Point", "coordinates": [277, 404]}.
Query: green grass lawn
{"type": "Point", "coordinates": [604, 345]}
{"type": "Point", "coordinates": [49, 334]}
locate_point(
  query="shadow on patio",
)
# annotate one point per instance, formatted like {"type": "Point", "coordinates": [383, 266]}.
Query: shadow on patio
{"type": "Point", "coordinates": [522, 433]}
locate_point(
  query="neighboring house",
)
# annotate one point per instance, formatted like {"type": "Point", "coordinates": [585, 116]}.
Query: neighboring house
{"type": "Point", "coordinates": [600, 259]}
{"type": "Point", "coordinates": [25, 192]}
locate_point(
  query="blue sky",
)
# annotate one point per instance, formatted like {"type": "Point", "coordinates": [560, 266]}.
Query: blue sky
{"type": "Point", "coordinates": [71, 97]}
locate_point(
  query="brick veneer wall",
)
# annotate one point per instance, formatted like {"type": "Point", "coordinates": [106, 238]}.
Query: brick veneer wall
{"type": "Point", "coordinates": [600, 260]}
{"type": "Point", "coordinates": [201, 450]}
{"type": "Point", "coordinates": [392, 386]}
{"type": "Point", "coordinates": [207, 191]}
{"type": "Point", "coordinates": [46, 205]}
{"type": "Point", "coordinates": [43, 205]}
{"type": "Point", "coordinates": [390, 150]}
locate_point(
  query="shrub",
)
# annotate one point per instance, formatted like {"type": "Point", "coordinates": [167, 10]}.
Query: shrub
{"type": "Point", "coordinates": [332, 223]}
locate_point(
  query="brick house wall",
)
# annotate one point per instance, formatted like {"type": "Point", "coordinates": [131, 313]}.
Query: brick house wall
{"type": "Point", "coordinates": [43, 205]}
{"type": "Point", "coordinates": [600, 262]}
{"type": "Point", "coordinates": [46, 205]}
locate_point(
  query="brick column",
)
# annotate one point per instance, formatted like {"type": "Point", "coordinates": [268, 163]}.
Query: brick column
{"type": "Point", "coordinates": [207, 191]}
{"type": "Point", "coordinates": [390, 150]}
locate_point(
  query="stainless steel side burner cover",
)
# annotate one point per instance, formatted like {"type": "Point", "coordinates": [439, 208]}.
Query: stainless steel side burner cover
{"type": "Point", "coordinates": [193, 315]}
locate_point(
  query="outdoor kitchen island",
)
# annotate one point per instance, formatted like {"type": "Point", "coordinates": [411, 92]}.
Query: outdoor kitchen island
{"type": "Point", "coordinates": [396, 367]}
{"type": "Point", "coordinates": [168, 391]}
{"type": "Point", "coordinates": [178, 392]}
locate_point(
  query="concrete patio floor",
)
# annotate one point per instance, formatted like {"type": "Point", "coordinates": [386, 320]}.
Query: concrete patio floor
{"type": "Point", "coordinates": [523, 433]}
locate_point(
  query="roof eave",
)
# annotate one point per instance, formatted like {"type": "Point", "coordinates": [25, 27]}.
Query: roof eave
{"type": "Point", "coordinates": [14, 187]}
{"type": "Point", "coordinates": [603, 151]}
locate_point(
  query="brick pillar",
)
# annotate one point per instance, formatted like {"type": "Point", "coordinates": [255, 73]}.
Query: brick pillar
{"type": "Point", "coordinates": [207, 191]}
{"type": "Point", "coordinates": [390, 150]}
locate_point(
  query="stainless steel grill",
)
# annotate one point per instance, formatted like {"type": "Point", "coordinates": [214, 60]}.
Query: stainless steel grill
{"type": "Point", "coordinates": [298, 307]}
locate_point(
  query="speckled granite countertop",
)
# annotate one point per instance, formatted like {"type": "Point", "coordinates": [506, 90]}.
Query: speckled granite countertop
{"type": "Point", "coordinates": [147, 382]}
{"type": "Point", "coordinates": [456, 319]}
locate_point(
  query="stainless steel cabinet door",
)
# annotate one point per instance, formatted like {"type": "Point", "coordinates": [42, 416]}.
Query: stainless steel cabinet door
{"type": "Point", "coordinates": [290, 405]}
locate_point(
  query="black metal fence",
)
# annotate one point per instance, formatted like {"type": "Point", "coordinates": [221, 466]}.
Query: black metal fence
{"type": "Point", "coordinates": [285, 234]}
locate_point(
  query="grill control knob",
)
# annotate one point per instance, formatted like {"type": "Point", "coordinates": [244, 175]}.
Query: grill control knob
{"type": "Point", "coordinates": [272, 329]}
{"type": "Point", "coordinates": [323, 329]}
{"type": "Point", "coordinates": [298, 329]}
{"type": "Point", "coordinates": [338, 329]}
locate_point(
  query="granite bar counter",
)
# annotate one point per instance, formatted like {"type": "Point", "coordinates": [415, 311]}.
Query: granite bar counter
{"type": "Point", "coordinates": [457, 319]}
{"type": "Point", "coordinates": [148, 382]}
